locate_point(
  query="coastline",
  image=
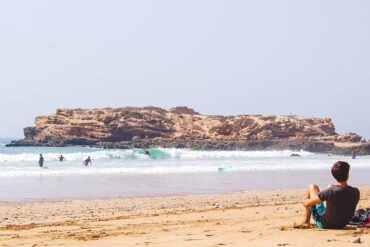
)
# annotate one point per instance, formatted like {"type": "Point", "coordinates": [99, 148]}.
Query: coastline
{"type": "Point", "coordinates": [183, 127]}
{"type": "Point", "coordinates": [256, 218]}
{"type": "Point", "coordinates": [314, 146]}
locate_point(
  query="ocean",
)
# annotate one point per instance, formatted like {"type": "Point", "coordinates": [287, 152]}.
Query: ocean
{"type": "Point", "coordinates": [131, 172]}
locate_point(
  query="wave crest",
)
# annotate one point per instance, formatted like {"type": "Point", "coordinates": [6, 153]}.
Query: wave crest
{"type": "Point", "coordinates": [157, 153]}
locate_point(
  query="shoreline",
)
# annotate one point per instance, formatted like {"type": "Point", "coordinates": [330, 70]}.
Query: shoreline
{"type": "Point", "coordinates": [144, 185]}
{"type": "Point", "coordinates": [256, 218]}
{"type": "Point", "coordinates": [110, 198]}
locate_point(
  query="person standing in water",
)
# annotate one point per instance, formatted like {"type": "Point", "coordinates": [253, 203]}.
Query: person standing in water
{"type": "Point", "coordinates": [87, 161]}
{"type": "Point", "coordinates": [41, 161]}
{"type": "Point", "coordinates": [61, 158]}
{"type": "Point", "coordinates": [353, 155]}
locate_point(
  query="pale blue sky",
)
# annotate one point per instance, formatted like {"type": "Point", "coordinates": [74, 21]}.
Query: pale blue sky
{"type": "Point", "coordinates": [219, 57]}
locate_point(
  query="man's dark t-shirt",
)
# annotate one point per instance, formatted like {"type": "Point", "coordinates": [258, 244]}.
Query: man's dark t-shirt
{"type": "Point", "coordinates": [341, 203]}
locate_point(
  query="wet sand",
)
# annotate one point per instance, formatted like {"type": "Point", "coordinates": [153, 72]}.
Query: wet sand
{"type": "Point", "coordinates": [253, 218]}
{"type": "Point", "coordinates": [139, 185]}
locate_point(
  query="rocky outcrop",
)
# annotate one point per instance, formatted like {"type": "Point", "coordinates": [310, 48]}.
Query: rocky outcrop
{"type": "Point", "coordinates": [183, 127]}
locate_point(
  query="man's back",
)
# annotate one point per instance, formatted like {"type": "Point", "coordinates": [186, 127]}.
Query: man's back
{"type": "Point", "coordinates": [341, 203]}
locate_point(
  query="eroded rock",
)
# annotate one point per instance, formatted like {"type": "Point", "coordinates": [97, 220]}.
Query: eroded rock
{"type": "Point", "coordinates": [183, 127]}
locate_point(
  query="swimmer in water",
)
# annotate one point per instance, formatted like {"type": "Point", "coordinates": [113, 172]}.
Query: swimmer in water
{"type": "Point", "coordinates": [61, 158]}
{"type": "Point", "coordinates": [87, 161]}
{"type": "Point", "coordinates": [41, 161]}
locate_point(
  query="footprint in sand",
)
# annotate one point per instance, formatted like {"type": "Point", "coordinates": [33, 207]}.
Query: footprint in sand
{"type": "Point", "coordinates": [192, 239]}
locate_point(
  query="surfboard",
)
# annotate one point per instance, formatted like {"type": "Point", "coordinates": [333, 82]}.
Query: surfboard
{"type": "Point", "coordinates": [224, 168]}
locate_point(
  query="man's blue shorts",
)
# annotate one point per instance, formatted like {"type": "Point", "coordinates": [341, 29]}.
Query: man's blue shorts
{"type": "Point", "coordinates": [317, 212]}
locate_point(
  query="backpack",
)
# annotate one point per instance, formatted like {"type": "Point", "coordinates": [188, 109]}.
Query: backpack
{"type": "Point", "coordinates": [361, 217]}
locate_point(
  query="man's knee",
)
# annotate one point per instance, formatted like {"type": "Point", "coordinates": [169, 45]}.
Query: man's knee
{"type": "Point", "coordinates": [313, 188]}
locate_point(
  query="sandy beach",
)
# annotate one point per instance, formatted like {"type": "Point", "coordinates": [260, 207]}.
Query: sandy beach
{"type": "Point", "coordinates": [252, 218]}
{"type": "Point", "coordinates": [184, 123]}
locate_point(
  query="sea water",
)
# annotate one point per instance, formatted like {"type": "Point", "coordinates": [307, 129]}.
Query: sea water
{"type": "Point", "coordinates": [130, 172]}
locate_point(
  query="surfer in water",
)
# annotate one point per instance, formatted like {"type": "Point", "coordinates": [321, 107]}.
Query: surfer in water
{"type": "Point", "coordinates": [87, 161]}
{"type": "Point", "coordinates": [41, 161]}
{"type": "Point", "coordinates": [61, 158]}
{"type": "Point", "coordinates": [146, 151]}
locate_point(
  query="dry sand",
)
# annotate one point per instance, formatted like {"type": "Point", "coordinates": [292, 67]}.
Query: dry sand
{"type": "Point", "coordinates": [255, 218]}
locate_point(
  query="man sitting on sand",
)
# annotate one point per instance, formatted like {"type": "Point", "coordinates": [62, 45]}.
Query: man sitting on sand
{"type": "Point", "coordinates": [341, 201]}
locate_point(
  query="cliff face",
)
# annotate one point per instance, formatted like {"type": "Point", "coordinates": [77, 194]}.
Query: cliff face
{"type": "Point", "coordinates": [135, 125]}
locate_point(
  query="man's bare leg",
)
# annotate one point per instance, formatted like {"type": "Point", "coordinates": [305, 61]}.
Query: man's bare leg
{"type": "Point", "coordinates": [313, 190]}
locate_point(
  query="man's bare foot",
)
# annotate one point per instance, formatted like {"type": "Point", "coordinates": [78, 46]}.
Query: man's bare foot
{"type": "Point", "coordinates": [302, 225]}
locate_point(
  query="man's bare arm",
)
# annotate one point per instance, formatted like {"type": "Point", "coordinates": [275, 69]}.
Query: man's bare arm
{"type": "Point", "coordinates": [311, 202]}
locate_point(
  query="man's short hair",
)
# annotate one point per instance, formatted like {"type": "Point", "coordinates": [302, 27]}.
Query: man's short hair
{"type": "Point", "coordinates": [340, 171]}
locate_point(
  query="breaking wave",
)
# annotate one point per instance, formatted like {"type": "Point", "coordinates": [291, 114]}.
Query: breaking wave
{"type": "Point", "coordinates": [132, 154]}
{"type": "Point", "coordinates": [22, 161]}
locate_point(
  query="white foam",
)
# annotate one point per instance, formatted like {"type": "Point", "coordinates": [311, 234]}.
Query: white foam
{"type": "Point", "coordinates": [23, 162]}
{"type": "Point", "coordinates": [128, 167]}
{"type": "Point", "coordinates": [161, 153]}
{"type": "Point", "coordinates": [76, 156]}
{"type": "Point", "coordinates": [194, 154]}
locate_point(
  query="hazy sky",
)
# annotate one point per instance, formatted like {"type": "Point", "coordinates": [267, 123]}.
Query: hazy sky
{"type": "Point", "coordinates": [219, 57]}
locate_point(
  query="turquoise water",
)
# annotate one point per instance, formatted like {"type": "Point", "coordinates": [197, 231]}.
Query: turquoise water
{"type": "Point", "coordinates": [23, 161]}
{"type": "Point", "coordinates": [131, 172]}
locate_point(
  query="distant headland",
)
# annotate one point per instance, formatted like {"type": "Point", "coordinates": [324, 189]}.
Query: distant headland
{"type": "Point", "coordinates": [182, 127]}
